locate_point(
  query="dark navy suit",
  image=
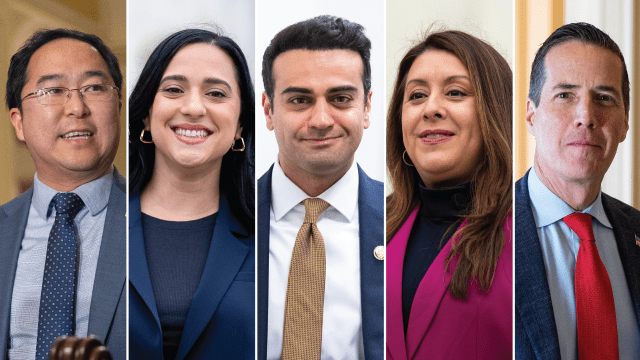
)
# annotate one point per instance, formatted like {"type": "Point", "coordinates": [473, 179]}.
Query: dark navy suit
{"type": "Point", "coordinates": [221, 318]}
{"type": "Point", "coordinates": [107, 314]}
{"type": "Point", "coordinates": [371, 218]}
{"type": "Point", "coordinates": [536, 333]}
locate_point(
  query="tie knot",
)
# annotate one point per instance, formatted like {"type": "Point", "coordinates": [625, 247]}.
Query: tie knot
{"type": "Point", "coordinates": [313, 207]}
{"type": "Point", "coordinates": [68, 203]}
{"type": "Point", "coordinates": [581, 224]}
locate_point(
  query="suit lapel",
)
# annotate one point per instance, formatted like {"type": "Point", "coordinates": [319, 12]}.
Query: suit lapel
{"type": "Point", "coordinates": [371, 222]}
{"type": "Point", "coordinates": [110, 272]}
{"type": "Point", "coordinates": [430, 292]}
{"type": "Point", "coordinates": [533, 299]}
{"type": "Point", "coordinates": [138, 265]}
{"type": "Point", "coordinates": [396, 249]}
{"type": "Point", "coordinates": [13, 221]}
{"type": "Point", "coordinates": [264, 211]}
{"type": "Point", "coordinates": [226, 255]}
{"type": "Point", "coordinates": [625, 229]}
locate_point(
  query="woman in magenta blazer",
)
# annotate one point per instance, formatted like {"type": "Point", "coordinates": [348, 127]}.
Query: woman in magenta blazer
{"type": "Point", "coordinates": [449, 220]}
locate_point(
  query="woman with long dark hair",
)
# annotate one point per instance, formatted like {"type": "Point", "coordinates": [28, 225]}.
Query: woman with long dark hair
{"type": "Point", "coordinates": [191, 210]}
{"type": "Point", "coordinates": [449, 257]}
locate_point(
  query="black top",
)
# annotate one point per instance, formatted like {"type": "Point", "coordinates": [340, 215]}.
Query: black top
{"type": "Point", "coordinates": [439, 209]}
{"type": "Point", "coordinates": [176, 253]}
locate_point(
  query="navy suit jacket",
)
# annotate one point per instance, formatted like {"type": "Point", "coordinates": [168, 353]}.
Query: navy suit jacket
{"type": "Point", "coordinates": [221, 320]}
{"type": "Point", "coordinates": [536, 333]}
{"type": "Point", "coordinates": [107, 314]}
{"type": "Point", "coordinates": [371, 217]}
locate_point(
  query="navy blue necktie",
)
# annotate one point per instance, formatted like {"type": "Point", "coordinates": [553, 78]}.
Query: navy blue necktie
{"type": "Point", "coordinates": [57, 301]}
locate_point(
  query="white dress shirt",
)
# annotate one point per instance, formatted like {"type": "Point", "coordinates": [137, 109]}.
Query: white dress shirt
{"type": "Point", "coordinates": [560, 247]}
{"type": "Point", "coordinates": [339, 226]}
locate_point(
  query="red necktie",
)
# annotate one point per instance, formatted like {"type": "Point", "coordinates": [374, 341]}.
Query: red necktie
{"type": "Point", "coordinates": [595, 309]}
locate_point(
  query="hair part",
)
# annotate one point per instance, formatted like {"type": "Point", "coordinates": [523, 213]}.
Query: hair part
{"type": "Point", "coordinates": [480, 243]}
{"type": "Point", "coordinates": [323, 32]}
{"type": "Point", "coordinates": [237, 170]}
{"type": "Point", "coordinates": [586, 34]}
{"type": "Point", "coordinates": [17, 76]}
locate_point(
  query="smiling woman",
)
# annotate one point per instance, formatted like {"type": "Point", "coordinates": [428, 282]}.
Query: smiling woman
{"type": "Point", "coordinates": [192, 202]}
{"type": "Point", "coordinates": [449, 217]}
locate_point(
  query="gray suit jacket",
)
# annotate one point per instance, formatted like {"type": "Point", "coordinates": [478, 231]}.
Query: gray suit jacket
{"type": "Point", "coordinates": [107, 317]}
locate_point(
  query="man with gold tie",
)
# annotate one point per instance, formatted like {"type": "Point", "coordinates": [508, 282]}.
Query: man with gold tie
{"type": "Point", "coordinates": [320, 217]}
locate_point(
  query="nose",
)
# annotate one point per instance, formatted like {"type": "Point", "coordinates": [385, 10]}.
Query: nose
{"type": "Point", "coordinates": [434, 108]}
{"type": "Point", "coordinates": [75, 105]}
{"type": "Point", "coordinates": [193, 106]}
{"type": "Point", "coordinates": [321, 116]}
{"type": "Point", "coordinates": [584, 113]}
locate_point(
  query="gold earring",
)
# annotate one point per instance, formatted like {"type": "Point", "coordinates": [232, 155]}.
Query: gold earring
{"type": "Point", "coordinates": [234, 144]}
{"type": "Point", "coordinates": [405, 160]}
{"type": "Point", "coordinates": [142, 140]}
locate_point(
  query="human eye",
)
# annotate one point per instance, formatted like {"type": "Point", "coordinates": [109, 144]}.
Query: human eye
{"type": "Point", "coordinates": [342, 99]}
{"type": "Point", "coordinates": [95, 88]}
{"type": "Point", "coordinates": [606, 99]}
{"type": "Point", "coordinates": [417, 95]}
{"type": "Point", "coordinates": [456, 93]}
{"type": "Point", "coordinates": [52, 91]}
{"type": "Point", "coordinates": [564, 96]}
{"type": "Point", "coordinates": [172, 90]}
{"type": "Point", "coordinates": [216, 93]}
{"type": "Point", "coordinates": [299, 100]}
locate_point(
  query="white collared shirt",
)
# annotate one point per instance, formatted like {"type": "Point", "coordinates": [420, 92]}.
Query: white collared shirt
{"type": "Point", "coordinates": [339, 226]}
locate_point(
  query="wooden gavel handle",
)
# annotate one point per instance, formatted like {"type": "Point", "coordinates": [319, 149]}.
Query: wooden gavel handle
{"type": "Point", "coordinates": [74, 348]}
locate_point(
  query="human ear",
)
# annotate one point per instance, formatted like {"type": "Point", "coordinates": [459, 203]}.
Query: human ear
{"type": "Point", "coordinates": [529, 117]}
{"type": "Point", "coordinates": [367, 111]}
{"type": "Point", "coordinates": [16, 120]}
{"type": "Point", "coordinates": [266, 106]}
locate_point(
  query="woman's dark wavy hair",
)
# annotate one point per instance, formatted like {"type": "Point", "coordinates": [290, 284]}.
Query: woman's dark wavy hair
{"type": "Point", "coordinates": [480, 243]}
{"type": "Point", "coordinates": [237, 171]}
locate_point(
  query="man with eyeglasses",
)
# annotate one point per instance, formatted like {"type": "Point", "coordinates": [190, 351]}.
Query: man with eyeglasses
{"type": "Point", "coordinates": [62, 243]}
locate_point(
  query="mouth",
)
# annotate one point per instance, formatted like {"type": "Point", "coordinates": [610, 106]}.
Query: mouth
{"type": "Point", "coordinates": [191, 131]}
{"type": "Point", "coordinates": [77, 135]}
{"type": "Point", "coordinates": [432, 137]}
{"type": "Point", "coordinates": [321, 141]}
{"type": "Point", "coordinates": [584, 143]}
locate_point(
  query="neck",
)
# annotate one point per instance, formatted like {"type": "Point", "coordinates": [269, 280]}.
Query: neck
{"type": "Point", "coordinates": [313, 184]}
{"type": "Point", "coordinates": [577, 194]}
{"type": "Point", "coordinates": [70, 182]}
{"type": "Point", "coordinates": [181, 194]}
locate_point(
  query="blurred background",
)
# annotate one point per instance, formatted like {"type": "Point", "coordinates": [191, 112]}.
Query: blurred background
{"type": "Point", "coordinates": [408, 20]}
{"type": "Point", "coordinates": [620, 19]}
{"type": "Point", "coordinates": [19, 19]}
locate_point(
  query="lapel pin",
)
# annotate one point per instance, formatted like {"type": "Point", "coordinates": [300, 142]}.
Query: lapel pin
{"type": "Point", "coordinates": [637, 240]}
{"type": "Point", "coordinates": [378, 252]}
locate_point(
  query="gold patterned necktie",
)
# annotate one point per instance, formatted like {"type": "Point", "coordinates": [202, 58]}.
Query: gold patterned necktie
{"type": "Point", "coordinates": [302, 334]}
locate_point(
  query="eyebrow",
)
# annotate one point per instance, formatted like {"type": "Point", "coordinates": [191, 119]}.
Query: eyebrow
{"type": "Point", "coordinates": [447, 80]}
{"type": "Point", "coordinates": [94, 73]}
{"type": "Point", "coordinates": [86, 75]}
{"type": "Point", "coordinates": [45, 78]}
{"type": "Point", "coordinates": [607, 88]}
{"type": "Point", "coordinates": [210, 81]}
{"type": "Point", "coordinates": [344, 88]}
{"type": "Point", "coordinates": [293, 89]}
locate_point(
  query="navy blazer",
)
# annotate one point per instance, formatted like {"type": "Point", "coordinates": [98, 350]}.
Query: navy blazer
{"type": "Point", "coordinates": [371, 217]}
{"type": "Point", "coordinates": [221, 320]}
{"type": "Point", "coordinates": [536, 333]}
{"type": "Point", "coordinates": [107, 314]}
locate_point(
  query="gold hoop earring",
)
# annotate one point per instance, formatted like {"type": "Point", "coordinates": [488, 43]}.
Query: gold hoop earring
{"type": "Point", "coordinates": [234, 144]}
{"type": "Point", "coordinates": [405, 160]}
{"type": "Point", "coordinates": [142, 140]}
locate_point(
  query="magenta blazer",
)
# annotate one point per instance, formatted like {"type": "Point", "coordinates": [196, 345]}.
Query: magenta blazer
{"type": "Point", "coordinates": [440, 326]}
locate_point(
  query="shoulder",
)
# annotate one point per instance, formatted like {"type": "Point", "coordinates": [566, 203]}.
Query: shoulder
{"type": "Point", "coordinates": [264, 186]}
{"type": "Point", "coordinates": [14, 206]}
{"type": "Point", "coordinates": [370, 190]}
{"type": "Point", "coordinates": [618, 208]}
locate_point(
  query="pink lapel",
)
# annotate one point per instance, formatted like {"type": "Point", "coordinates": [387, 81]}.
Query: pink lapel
{"type": "Point", "coordinates": [395, 260]}
{"type": "Point", "coordinates": [428, 297]}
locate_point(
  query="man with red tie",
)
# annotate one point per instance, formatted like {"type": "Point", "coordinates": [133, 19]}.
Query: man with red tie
{"type": "Point", "coordinates": [577, 264]}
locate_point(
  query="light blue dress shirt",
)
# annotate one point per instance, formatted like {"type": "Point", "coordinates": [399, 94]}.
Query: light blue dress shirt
{"type": "Point", "coordinates": [25, 300]}
{"type": "Point", "coordinates": [560, 247]}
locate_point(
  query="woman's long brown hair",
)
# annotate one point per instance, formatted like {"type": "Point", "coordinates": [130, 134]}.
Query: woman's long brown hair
{"type": "Point", "coordinates": [482, 240]}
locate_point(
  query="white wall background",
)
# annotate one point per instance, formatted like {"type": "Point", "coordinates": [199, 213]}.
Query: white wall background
{"type": "Point", "coordinates": [614, 17]}
{"type": "Point", "coordinates": [274, 16]}
{"type": "Point", "coordinates": [408, 20]}
{"type": "Point", "coordinates": [151, 21]}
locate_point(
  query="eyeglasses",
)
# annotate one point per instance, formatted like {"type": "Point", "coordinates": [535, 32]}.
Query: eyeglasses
{"type": "Point", "coordinates": [60, 95]}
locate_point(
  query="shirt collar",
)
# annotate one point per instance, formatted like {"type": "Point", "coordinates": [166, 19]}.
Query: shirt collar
{"type": "Point", "coordinates": [343, 195]}
{"type": "Point", "coordinates": [548, 208]}
{"type": "Point", "coordinates": [94, 194]}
